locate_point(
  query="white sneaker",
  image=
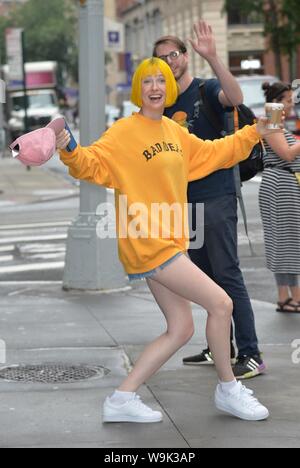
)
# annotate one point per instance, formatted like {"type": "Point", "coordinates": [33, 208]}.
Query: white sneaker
{"type": "Point", "coordinates": [134, 411]}
{"type": "Point", "coordinates": [240, 403]}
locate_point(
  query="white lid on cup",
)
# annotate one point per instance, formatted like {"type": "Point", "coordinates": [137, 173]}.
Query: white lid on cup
{"type": "Point", "coordinates": [275, 105]}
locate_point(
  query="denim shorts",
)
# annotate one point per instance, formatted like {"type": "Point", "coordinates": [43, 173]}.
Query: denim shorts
{"type": "Point", "coordinates": [149, 274]}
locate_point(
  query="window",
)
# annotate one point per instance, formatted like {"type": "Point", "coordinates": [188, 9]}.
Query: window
{"type": "Point", "coordinates": [38, 101]}
{"type": "Point", "coordinates": [238, 61]}
{"type": "Point", "coordinates": [236, 17]}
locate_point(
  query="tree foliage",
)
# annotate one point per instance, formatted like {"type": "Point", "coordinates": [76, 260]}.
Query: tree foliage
{"type": "Point", "coordinates": [50, 31]}
{"type": "Point", "coordinates": [281, 23]}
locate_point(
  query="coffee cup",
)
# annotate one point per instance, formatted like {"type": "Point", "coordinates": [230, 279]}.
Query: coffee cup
{"type": "Point", "coordinates": [274, 113]}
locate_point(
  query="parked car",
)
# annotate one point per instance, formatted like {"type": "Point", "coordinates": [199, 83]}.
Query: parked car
{"type": "Point", "coordinates": [42, 97]}
{"type": "Point", "coordinates": [255, 99]}
{"type": "Point", "coordinates": [112, 114]}
{"type": "Point", "coordinates": [128, 109]}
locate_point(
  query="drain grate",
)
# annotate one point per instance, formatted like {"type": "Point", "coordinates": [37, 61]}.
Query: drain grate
{"type": "Point", "coordinates": [52, 373]}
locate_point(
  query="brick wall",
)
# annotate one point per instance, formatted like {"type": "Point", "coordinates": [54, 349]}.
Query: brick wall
{"type": "Point", "coordinates": [298, 64]}
{"type": "Point", "coordinates": [3, 9]}
{"type": "Point", "coordinates": [7, 5]}
{"type": "Point", "coordinates": [123, 5]}
{"type": "Point", "coordinates": [270, 69]}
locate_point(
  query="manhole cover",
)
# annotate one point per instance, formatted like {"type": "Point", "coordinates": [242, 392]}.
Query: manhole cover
{"type": "Point", "coordinates": [52, 373]}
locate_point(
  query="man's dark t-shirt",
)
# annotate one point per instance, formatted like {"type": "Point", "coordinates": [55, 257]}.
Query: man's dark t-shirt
{"type": "Point", "coordinates": [187, 112]}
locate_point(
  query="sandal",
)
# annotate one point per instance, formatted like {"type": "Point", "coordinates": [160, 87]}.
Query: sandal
{"type": "Point", "coordinates": [288, 308]}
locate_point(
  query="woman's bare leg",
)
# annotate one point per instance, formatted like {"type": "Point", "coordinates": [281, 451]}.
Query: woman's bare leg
{"type": "Point", "coordinates": [283, 293]}
{"type": "Point", "coordinates": [180, 328]}
{"type": "Point", "coordinates": [295, 294]}
{"type": "Point", "coordinates": [173, 288]}
{"type": "Point", "coordinates": [188, 281]}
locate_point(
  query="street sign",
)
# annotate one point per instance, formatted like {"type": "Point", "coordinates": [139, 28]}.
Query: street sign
{"type": "Point", "coordinates": [114, 36]}
{"type": "Point", "coordinates": [14, 54]}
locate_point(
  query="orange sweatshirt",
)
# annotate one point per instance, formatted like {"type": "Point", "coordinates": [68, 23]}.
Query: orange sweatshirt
{"type": "Point", "coordinates": [150, 163]}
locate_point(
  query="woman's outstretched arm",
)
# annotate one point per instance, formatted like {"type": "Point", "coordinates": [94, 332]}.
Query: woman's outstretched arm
{"type": "Point", "coordinates": [95, 163]}
{"type": "Point", "coordinates": [207, 156]}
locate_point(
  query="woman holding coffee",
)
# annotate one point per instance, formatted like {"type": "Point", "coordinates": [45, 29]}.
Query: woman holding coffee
{"type": "Point", "coordinates": [279, 204]}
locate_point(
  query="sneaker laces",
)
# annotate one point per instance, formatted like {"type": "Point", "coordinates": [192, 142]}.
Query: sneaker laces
{"type": "Point", "coordinates": [137, 402]}
{"type": "Point", "coordinates": [246, 395]}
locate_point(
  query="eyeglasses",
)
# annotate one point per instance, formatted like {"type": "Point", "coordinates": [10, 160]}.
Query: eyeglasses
{"type": "Point", "coordinates": [172, 56]}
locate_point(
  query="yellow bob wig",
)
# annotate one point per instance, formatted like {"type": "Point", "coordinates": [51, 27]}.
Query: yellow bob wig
{"type": "Point", "coordinates": [150, 67]}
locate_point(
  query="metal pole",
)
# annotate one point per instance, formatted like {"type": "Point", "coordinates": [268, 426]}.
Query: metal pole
{"type": "Point", "coordinates": [146, 29]}
{"type": "Point", "coordinates": [2, 101]}
{"type": "Point", "coordinates": [26, 126]}
{"type": "Point", "coordinates": [2, 131]}
{"type": "Point", "coordinates": [91, 263]}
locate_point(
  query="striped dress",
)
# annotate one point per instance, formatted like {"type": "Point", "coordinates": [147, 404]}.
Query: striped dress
{"type": "Point", "coordinates": [279, 200]}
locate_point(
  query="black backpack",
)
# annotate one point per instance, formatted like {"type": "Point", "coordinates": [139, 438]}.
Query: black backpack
{"type": "Point", "coordinates": [240, 117]}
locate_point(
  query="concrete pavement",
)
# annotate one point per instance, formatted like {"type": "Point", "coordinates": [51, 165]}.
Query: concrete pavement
{"type": "Point", "coordinates": [19, 186]}
{"type": "Point", "coordinates": [41, 324]}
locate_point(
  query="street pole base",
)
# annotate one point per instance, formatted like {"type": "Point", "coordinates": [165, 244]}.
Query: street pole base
{"type": "Point", "coordinates": [92, 264]}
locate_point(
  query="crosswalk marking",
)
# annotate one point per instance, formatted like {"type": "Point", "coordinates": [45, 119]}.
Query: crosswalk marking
{"type": "Point", "coordinates": [257, 179]}
{"type": "Point", "coordinates": [35, 225]}
{"type": "Point", "coordinates": [30, 248]}
{"type": "Point", "coordinates": [7, 258]}
{"type": "Point", "coordinates": [256, 237]}
{"type": "Point", "coordinates": [6, 204]}
{"type": "Point", "coordinates": [32, 267]}
{"type": "Point", "coordinates": [7, 248]}
{"type": "Point", "coordinates": [26, 248]}
{"type": "Point", "coordinates": [33, 238]}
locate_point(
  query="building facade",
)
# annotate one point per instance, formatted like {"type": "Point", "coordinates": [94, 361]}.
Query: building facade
{"type": "Point", "coordinates": [7, 5]}
{"type": "Point", "coordinates": [240, 40]}
{"type": "Point", "coordinates": [246, 42]}
{"type": "Point", "coordinates": [114, 75]}
{"type": "Point", "coordinates": [113, 70]}
{"type": "Point", "coordinates": [147, 20]}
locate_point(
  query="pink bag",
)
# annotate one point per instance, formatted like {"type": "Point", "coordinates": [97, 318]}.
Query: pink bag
{"type": "Point", "coordinates": [37, 147]}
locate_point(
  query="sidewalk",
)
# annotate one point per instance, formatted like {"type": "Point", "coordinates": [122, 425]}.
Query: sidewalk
{"type": "Point", "coordinates": [42, 324]}
{"type": "Point", "coordinates": [20, 186]}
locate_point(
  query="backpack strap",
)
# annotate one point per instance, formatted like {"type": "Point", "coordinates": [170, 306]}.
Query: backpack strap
{"type": "Point", "coordinates": [209, 112]}
{"type": "Point", "coordinates": [236, 119]}
{"type": "Point", "coordinates": [232, 123]}
{"type": "Point", "coordinates": [244, 214]}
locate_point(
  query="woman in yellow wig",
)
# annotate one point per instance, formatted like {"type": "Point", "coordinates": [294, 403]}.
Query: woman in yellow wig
{"type": "Point", "coordinates": [149, 160]}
